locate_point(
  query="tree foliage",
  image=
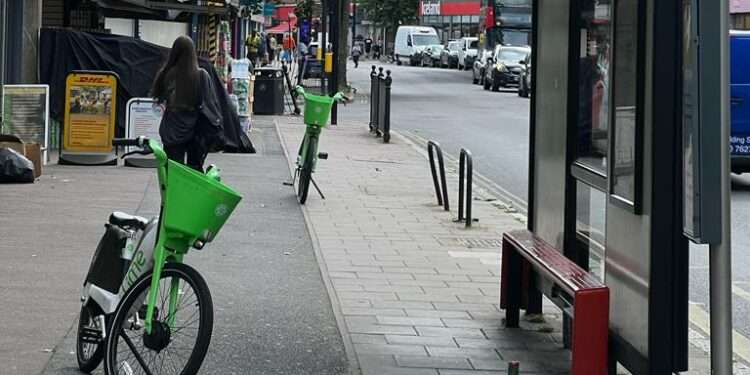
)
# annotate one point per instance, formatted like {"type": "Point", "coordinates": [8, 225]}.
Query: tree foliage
{"type": "Point", "coordinates": [305, 9]}
{"type": "Point", "coordinates": [390, 13]}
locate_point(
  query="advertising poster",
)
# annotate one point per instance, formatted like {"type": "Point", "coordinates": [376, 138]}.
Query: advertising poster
{"type": "Point", "coordinates": [144, 117]}
{"type": "Point", "coordinates": [25, 112]}
{"type": "Point", "coordinates": [90, 113]}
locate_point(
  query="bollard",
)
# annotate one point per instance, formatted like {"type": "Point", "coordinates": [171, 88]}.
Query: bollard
{"type": "Point", "coordinates": [465, 179]}
{"type": "Point", "coordinates": [381, 103]}
{"type": "Point", "coordinates": [514, 368]}
{"type": "Point", "coordinates": [373, 98]}
{"type": "Point", "coordinates": [386, 125]}
{"type": "Point", "coordinates": [434, 147]}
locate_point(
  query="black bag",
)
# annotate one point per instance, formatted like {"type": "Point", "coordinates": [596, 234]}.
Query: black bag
{"type": "Point", "coordinates": [210, 126]}
{"type": "Point", "coordinates": [15, 167]}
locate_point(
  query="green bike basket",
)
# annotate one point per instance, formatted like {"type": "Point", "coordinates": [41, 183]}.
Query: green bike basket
{"type": "Point", "coordinates": [197, 206]}
{"type": "Point", "coordinates": [317, 109]}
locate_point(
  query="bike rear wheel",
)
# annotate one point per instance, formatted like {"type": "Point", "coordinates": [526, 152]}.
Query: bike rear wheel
{"type": "Point", "coordinates": [305, 172]}
{"type": "Point", "coordinates": [88, 354]}
{"type": "Point", "coordinates": [170, 349]}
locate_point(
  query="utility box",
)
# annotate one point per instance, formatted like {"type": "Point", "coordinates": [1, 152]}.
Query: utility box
{"type": "Point", "coordinates": [268, 92]}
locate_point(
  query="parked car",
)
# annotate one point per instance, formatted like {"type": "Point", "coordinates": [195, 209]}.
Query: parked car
{"type": "Point", "coordinates": [477, 73]}
{"type": "Point", "coordinates": [449, 56]}
{"type": "Point", "coordinates": [411, 41]}
{"type": "Point", "coordinates": [430, 56]}
{"type": "Point", "coordinates": [468, 52]}
{"type": "Point", "coordinates": [524, 87]}
{"type": "Point", "coordinates": [505, 67]}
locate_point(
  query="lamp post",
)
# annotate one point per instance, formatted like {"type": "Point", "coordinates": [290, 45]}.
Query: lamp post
{"type": "Point", "coordinates": [354, 22]}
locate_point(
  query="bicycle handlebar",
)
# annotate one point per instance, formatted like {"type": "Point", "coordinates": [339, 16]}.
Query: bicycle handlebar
{"type": "Point", "coordinates": [339, 97]}
{"type": "Point", "coordinates": [136, 142]}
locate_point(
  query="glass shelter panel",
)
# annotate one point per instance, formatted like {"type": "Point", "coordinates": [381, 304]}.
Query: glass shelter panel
{"type": "Point", "coordinates": [594, 84]}
{"type": "Point", "coordinates": [624, 174]}
{"type": "Point", "coordinates": [591, 225]}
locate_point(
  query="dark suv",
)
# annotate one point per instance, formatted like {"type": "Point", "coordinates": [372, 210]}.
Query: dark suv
{"type": "Point", "coordinates": [505, 67]}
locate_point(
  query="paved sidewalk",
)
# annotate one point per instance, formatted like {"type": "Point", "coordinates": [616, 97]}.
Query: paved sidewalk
{"type": "Point", "coordinates": [418, 292]}
{"type": "Point", "coordinates": [272, 313]}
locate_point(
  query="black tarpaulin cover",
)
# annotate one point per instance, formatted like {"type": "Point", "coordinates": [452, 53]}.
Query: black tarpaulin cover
{"type": "Point", "coordinates": [136, 63]}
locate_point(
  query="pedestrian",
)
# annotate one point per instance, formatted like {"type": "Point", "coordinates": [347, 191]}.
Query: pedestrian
{"type": "Point", "coordinates": [356, 53]}
{"type": "Point", "coordinates": [183, 88]}
{"type": "Point", "coordinates": [368, 46]}
{"type": "Point", "coordinates": [252, 43]}
{"type": "Point", "coordinates": [377, 49]}
{"type": "Point", "coordinates": [289, 46]}
{"type": "Point", "coordinates": [271, 48]}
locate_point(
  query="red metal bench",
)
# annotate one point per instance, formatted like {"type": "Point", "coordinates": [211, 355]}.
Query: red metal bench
{"type": "Point", "coordinates": [580, 295]}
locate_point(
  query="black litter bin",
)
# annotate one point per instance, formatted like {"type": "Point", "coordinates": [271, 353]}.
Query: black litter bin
{"type": "Point", "coordinates": [269, 91]}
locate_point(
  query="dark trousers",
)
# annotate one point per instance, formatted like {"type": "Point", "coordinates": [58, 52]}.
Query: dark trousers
{"type": "Point", "coordinates": [194, 151]}
{"type": "Point", "coordinates": [356, 61]}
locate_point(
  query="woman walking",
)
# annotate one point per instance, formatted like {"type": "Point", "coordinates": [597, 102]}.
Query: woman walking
{"type": "Point", "coordinates": [180, 86]}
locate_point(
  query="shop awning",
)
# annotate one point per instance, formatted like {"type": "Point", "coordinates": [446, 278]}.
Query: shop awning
{"type": "Point", "coordinates": [283, 27]}
{"type": "Point", "coordinates": [166, 9]}
{"type": "Point", "coordinates": [213, 7]}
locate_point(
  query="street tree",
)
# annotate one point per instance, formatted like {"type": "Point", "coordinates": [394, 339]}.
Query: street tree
{"type": "Point", "coordinates": [389, 14]}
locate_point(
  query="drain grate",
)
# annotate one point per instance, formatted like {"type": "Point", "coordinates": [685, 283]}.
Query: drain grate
{"type": "Point", "coordinates": [471, 242]}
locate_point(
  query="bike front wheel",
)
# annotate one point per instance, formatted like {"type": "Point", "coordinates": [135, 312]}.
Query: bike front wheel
{"type": "Point", "coordinates": [178, 341]}
{"type": "Point", "coordinates": [305, 172]}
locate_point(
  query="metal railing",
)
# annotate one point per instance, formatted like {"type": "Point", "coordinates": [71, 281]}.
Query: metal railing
{"type": "Point", "coordinates": [465, 185]}
{"type": "Point", "coordinates": [440, 193]}
{"type": "Point", "coordinates": [380, 103]}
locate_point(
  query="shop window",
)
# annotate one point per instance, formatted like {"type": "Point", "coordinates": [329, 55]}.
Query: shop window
{"type": "Point", "coordinates": [594, 85]}
{"type": "Point", "coordinates": [626, 128]}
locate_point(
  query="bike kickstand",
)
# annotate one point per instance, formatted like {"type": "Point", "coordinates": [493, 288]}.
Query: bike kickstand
{"type": "Point", "coordinates": [317, 188]}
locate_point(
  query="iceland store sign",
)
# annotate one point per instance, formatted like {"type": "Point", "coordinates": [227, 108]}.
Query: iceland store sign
{"type": "Point", "coordinates": [430, 7]}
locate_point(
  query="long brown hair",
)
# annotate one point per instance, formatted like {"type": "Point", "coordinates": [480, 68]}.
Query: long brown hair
{"type": "Point", "coordinates": [181, 69]}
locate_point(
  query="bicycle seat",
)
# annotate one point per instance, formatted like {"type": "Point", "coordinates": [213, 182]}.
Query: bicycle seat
{"type": "Point", "coordinates": [122, 219]}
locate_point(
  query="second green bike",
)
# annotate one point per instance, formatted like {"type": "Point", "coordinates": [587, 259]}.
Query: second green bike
{"type": "Point", "coordinates": [317, 112]}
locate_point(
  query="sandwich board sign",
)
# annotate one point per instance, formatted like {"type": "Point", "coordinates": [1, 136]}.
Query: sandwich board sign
{"type": "Point", "coordinates": [90, 115]}
{"type": "Point", "coordinates": [143, 117]}
{"type": "Point", "coordinates": [26, 114]}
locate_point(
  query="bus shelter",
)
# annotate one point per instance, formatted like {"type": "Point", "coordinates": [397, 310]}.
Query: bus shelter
{"type": "Point", "coordinates": [607, 170]}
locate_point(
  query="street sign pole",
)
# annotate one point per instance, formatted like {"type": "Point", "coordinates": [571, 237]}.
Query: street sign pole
{"type": "Point", "coordinates": [720, 261]}
{"type": "Point", "coordinates": [336, 49]}
{"type": "Point", "coordinates": [323, 43]}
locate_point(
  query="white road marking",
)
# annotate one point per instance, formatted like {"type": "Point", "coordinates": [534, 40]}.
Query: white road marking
{"type": "Point", "coordinates": [701, 319]}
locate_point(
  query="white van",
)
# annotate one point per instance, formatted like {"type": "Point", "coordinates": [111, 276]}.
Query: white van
{"type": "Point", "coordinates": [411, 41]}
{"type": "Point", "coordinates": [468, 52]}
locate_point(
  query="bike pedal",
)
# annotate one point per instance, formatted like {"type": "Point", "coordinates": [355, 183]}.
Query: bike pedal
{"type": "Point", "coordinates": [323, 155]}
{"type": "Point", "coordinates": [91, 335]}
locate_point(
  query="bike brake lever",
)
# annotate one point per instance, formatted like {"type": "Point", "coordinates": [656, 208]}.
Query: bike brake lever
{"type": "Point", "coordinates": [137, 152]}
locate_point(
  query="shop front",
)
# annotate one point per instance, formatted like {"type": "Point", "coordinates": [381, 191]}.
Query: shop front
{"type": "Point", "coordinates": [453, 19]}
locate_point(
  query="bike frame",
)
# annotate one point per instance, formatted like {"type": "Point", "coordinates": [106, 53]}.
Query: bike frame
{"type": "Point", "coordinates": [165, 250]}
{"type": "Point", "coordinates": [312, 134]}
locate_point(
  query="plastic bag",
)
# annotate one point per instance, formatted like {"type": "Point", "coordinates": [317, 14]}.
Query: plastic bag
{"type": "Point", "coordinates": [15, 167]}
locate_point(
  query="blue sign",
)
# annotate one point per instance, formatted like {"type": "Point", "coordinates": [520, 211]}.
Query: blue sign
{"type": "Point", "coordinates": [305, 31]}
{"type": "Point", "coordinates": [268, 9]}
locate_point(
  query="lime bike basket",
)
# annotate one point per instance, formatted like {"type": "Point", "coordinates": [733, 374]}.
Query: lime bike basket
{"type": "Point", "coordinates": [317, 109]}
{"type": "Point", "coordinates": [196, 206]}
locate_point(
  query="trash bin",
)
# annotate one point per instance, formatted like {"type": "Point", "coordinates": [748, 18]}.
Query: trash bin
{"type": "Point", "coordinates": [268, 92]}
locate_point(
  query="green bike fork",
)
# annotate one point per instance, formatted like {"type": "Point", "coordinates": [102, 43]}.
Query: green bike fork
{"type": "Point", "coordinates": [161, 257]}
